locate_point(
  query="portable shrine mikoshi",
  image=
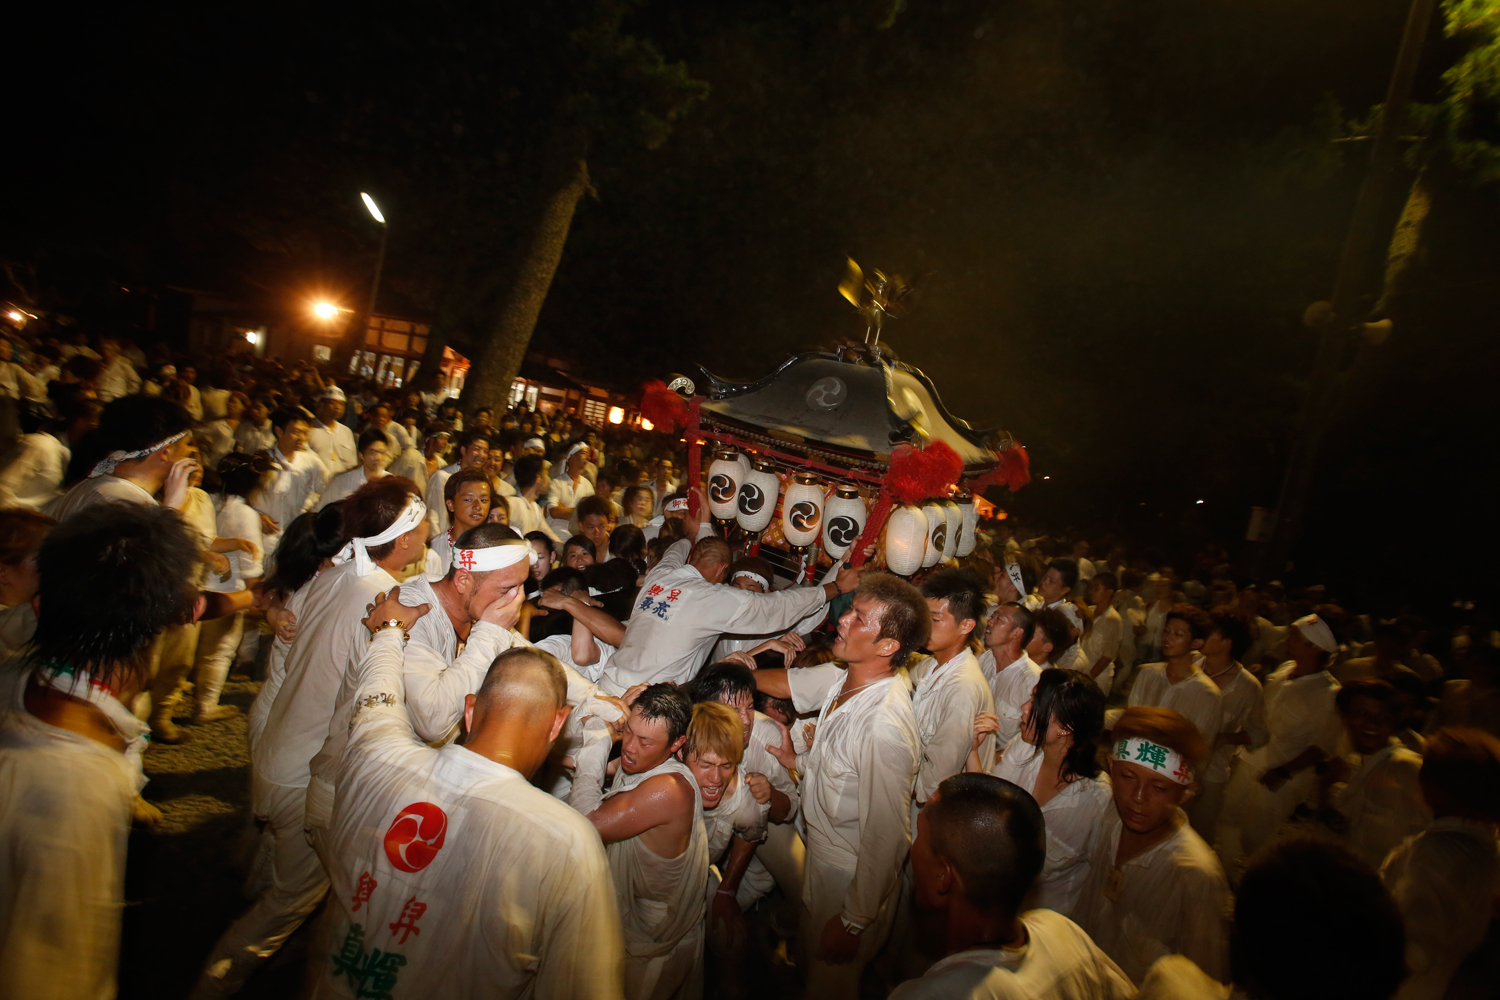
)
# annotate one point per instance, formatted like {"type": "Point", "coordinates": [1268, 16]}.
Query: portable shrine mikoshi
{"type": "Point", "coordinates": [821, 455]}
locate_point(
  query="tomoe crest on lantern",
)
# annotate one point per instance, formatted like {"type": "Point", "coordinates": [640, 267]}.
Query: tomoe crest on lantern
{"type": "Point", "coordinates": [756, 502]}
{"type": "Point", "coordinates": [802, 510]}
{"type": "Point", "coordinates": [843, 521]}
{"type": "Point", "coordinates": [724, 477]}
{"type": "Point", "coordinates": [955, 519]}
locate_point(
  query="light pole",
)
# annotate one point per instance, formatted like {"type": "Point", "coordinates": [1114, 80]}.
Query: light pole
{"type": "Point", "coordinates": [385, 231]}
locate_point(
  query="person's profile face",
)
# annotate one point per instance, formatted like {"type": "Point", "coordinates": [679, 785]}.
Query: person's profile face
{"type": "Point", "coordinates": [946, 630]}
{"type": "Point", "coordinates": [998, 628]}
{"type": "Point", "coordinates": [859, 630]}
{"type": "Point", "coordinates": [1052, 586]}
{"type": "Point", "coordinates": [1144, 799]}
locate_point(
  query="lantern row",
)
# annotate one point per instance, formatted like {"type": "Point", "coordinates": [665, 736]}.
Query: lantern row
{"type": "Point", "coordinates": [743, 492]}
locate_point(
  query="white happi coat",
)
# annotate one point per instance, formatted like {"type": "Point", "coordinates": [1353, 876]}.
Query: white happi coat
{"type": "Point", "coordinates": [1244, 711]}
{"type": "Point", "coordinates": [856, 805]}
{"type": "Point", "coordinates": [1171, 899]}
{"type": "Point", "coordinates": [1058, 962]}
{"type": "Point", "coordinates": [1011, 689]}
{"type": "Point", "coordinates": [331, 637]}
{"type": "Point", "coordinates": [1195, 697]}
{"type": "Point", "coordinates": [344, 484]}
{"type": "Point", "coordinates": [437, 678]}
{"type": "Point", "coordinates": [335, 446]}
{"type": "Point", "coordinates": [1300, 713]}
{"type": "Point", "coordinates": [946, 699]}
{"type": "Point", "coordinates": [95, 489]}
{"type": "Point", "coordinates": [1382, 801]}
{"type": "Point", "coordinates": [679, 616]}
{"type": "Point", "coordinates": [1073, 819]}
{"type": "Point", "coordinates": [65, 804]}
{"type": "Point", "coordinates": [1445, 881]}
{"type": "Point", "coordinates": [660, 900]}
{"type": "Point", "coordinates": [452, 876]}
{"type": "Point", "coordinates": [295, 488]}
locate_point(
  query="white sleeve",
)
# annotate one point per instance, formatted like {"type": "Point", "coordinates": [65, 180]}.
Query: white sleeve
{"type": "Point", "coordinates": [435, 690]}
{"type": "Point", "coordinates": [380, 715]}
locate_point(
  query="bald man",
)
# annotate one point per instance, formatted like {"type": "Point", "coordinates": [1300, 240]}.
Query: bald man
{"type": "Point", "coordinates": [682, 610]}
{"type": "Point", "coordinates": [453, 876]}
{"type": "Point", "coordinates": [980, 845]}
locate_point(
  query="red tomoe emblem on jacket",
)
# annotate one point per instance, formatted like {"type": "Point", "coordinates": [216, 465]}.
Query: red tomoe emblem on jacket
{"type": "Point", "coordinates": [415, 836]}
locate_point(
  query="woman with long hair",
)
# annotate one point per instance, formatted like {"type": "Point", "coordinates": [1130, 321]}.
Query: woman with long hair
{"type": "Point", "coordinates": [1053, 758]}
{"type": "Point", "coordinates": [638, 503]}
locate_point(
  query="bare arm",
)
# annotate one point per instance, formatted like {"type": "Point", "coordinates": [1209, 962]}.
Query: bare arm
{"type": "Point", "coordinates": [773, 683]}
{"type": "Point", "coordinates": [656, 802]}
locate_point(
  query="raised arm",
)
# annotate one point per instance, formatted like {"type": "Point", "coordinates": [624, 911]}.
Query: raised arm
{"type": "Point", "coordinates": [435, 690]}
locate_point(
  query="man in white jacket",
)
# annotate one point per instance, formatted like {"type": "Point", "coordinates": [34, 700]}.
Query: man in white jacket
{"type": "Point", "coordinates": [452, 876]}
{"type": "Point", "coordinates": [857, 791]}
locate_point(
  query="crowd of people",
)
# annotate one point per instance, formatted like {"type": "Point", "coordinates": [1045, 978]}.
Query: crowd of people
{"type": "Point", "coordinates": [530, 725]}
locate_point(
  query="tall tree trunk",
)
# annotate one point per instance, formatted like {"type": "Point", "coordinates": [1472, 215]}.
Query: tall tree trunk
{"type": "Point", "coordinates": [502, 352]}
{"type": "Point", "coordinates": [1405, 242]}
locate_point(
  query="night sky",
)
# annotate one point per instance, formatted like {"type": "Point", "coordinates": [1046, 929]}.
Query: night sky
{"type": "Point", "coordinates": [1119, 209]}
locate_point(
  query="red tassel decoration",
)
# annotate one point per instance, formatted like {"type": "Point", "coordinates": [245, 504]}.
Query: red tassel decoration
{"type": "Point", "coordinates": [666, 410]}
{"type": "Point", "coordinates": [1012, 471]}
{"type": "Point", "coordinates": [916, 474]}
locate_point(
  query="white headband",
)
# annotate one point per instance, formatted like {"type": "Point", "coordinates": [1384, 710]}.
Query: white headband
{"type": "Point", "coordinates": [1168, 763]}
{"type": "Point", "coordinates": [498, 556]}
{"type": "Point", "coordinates": [1316, 631]}
{"type": "Point", "coordinates": [1071, 614]}
{"type": "Point", "coordinates": [675, 505]}
{"type": "Point", "coordinates": [535, 443]}
{"type": "Point", "coordinates": [577, 447]}
{"type": "Point", "coordinates": [751, 575]}
{"type": "Point", "coordinates": [358, 548]}
{"type": "Point", "coordinates": [108, 462]}
{"type": "Point", "coordinates": [1013, 570]}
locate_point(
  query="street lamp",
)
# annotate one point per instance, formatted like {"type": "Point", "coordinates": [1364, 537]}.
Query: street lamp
{"type": "Point", "coordinates": [325, 310]}
{"type": "Point", "coordinates": [385, 231]}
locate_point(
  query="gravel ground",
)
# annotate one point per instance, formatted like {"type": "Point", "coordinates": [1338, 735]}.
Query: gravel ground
{"type": "Point", "coordinates": [183, 878]}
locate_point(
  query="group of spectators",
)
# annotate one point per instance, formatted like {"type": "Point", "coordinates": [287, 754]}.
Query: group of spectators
{"type": "Point", "coordinates": [529, 725]}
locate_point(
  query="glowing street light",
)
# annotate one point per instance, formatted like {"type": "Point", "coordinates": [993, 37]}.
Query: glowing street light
{"type": "Point", "coordinates": [374, 208]}
{"type": "Point", "coordinates": [325, 311]}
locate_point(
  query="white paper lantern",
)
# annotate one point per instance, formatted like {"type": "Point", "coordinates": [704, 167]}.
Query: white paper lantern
{"type": "Point", "coordinates": [757, 498]}
{"type": "Point", "coordinates": [843, 520]}
{"type": "Point", "coordinates": [937, 532]}
{"type": "Point", "coordinates": [802, 510]}
{"type": "Point", "coordinates": [955, 526]}
{"type": "Point", "coordinates": [905, 540]}
{"type": "Point", "coordinates": [724, 477]}
{"type": "Point", "coordinates": [968, 533]}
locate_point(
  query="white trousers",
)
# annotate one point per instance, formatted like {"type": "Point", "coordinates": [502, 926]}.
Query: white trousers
{"type": "Point", "coordinates": [218, 641]}
{"type": "Point", "coordinates": [822, 980]}
{"type": "Point", "coordinates": [291, 890]}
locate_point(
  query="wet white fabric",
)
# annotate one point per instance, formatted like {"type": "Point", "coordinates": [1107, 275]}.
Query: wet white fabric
{"type": "Point", "coordinates": [1173, 977]}
{"type": "Point", "coordinates": [945, 702]}
{"type": "Point", "coordinates": [564, 493]}
{"type": "Point", "coordinates": [1102, 640]}
{"type": "Point", "coordinates": [1170, 899]}
{"type": "Point", "coordinates": [1072, 818]}
{"type": "Point", "coordinates": [452, 876]}
{"type": "Point", "coordinates": [1058, 962]}
{"type": "Point", "coordinates": [660, 900]}
{"type": "Point", "coordinates": [780, 858]}
{"type": "Point", "coordinates": [77, 684]}
{"type": "Point", "coordinates": [65, 806]}
{"type": "Point", "coordinates": [237, 519]}
{"type": "Point", "coordinates": [33, 476]}
{"type": "Point", "coordinates": [1382, 801]}
{"type": "Point", "coordinates": [1010, 689]}
{"type": "Point", "coordinates": [810, 685]}
{"type": "Point", "coordinates": [736, 815]}
{"type": "Point", "coordinates": [679, 616]}
{"type": "Point", "coordinates": [1445, 881]}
